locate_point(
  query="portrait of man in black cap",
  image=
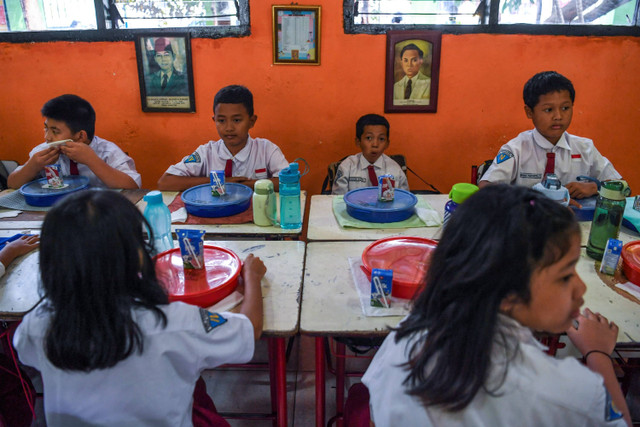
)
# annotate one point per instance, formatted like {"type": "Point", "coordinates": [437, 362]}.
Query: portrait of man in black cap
{"type": "Point", "coordinates": [167, 81]}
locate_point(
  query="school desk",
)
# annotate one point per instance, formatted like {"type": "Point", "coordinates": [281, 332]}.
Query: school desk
{"type": "Point", "coordinates": [330, 307]}
{"type": "Point", "coordinates": [33, 219]}
{"type": "Point", "coordinates": [281, 288]}
{"type": "Point", "coordinates": [324, 226]}
{"type": "Point", "coordinates": [245, 230]}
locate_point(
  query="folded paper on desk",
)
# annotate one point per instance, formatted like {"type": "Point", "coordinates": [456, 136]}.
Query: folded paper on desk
{"type": "Point", "coordinates": [629, 288]}
{"type": "Point", "coordinates": [425, 216]}
{"type": "Point", "coordinates": [398, 306]}
{"type": "Point", "coordinates": [240, 218]}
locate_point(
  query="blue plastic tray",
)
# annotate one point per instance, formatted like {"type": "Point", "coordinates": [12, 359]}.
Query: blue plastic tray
{"type": "Point", "coordinates": [363, 204]}
{"type": "Point", "coordinates": [35, 195]}
{"type": "Point", "coordinates": [199, 201]}
{"type": "Point", "coordinates": [587, 210]}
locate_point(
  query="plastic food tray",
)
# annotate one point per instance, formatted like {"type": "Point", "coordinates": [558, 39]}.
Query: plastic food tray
{"type": "Point", "coordinates": [631, 261]}
{"type": "Point", "coordinates": [408, 257]}
{"type": "Point", "coordinates": [35, 195]}
{"type": "Point", "coordinates": [199, 201]}
{"type": "Point", "coordinates": [204, 287]}
{"type": "Point", "coordinates": [588, 208]}
{"type": "Point", "coordinates": [363, 204]}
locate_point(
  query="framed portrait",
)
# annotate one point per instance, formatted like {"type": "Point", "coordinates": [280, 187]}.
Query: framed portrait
{"type": "Point", "coordinates": [296, 34]}
{"type": "Point", "coordinates": [412, 71]}
{"type": "Point", "coordinates": [165, 73]}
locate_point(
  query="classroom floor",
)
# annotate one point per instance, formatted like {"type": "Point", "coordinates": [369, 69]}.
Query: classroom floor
{"type": "Point", "coordinates": [240, 390]}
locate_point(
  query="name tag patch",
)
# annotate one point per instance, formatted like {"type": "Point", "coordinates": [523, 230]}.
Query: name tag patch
{"type": "Point", "coordinates": [210, 320]}
{"type": "Point", "coordinates": [193, 158]}
{"type": "Point", "coordinates": [503, 156]}
{"type": "Point", "coordinates": [525, 175]}
{"type": "Point", "coordinates": [357, 179]}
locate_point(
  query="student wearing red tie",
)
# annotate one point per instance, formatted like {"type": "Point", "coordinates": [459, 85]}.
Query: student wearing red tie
{"type": "Point", "coordinates": [548, 98]}
{"type": "Point", "coordinates": [243, 158]}
{"type": "Point", "coordinates": [71, 119]}
{"type": "Point", "coordinates": [363, 169]}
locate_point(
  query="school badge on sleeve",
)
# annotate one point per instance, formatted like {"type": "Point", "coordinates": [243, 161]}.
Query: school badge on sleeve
{"type": "Point", "coordinates": [611, 413]}
{"type": "Point", "coordinates": [211, 320]}
{"type": "Point", "coordinates": [503, 156]}
{"type": "Point", "coordinates": [193, 158]}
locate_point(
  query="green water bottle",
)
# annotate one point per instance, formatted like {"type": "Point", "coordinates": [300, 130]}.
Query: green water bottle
{"type": "Point", "coordinates": [607, 216]}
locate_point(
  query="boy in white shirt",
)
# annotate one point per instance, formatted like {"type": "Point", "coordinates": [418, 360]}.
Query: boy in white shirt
{"type": "Point", "coordinates": [363, 169]}
{"type": "Point", "coordinates": [548, 98]}
{"type": "Point", "coordinates": [243, 158]}
{"type": "Point", "coordinates": [69, 117]}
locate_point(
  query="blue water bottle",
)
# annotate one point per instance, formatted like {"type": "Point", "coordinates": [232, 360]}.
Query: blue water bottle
{"type": "Point", "coordinates": [289, 182]}
{"type": "Point", "coordinates": [159, 217]}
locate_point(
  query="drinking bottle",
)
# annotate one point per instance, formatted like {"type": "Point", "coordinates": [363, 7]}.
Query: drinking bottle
{"type": "Point", "coordinates": [159, 217]}
{"type": "Point", "coordinates": [607, 216]}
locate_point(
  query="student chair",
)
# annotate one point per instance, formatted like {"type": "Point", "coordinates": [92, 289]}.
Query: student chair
{"type": "Point", "coordinates": [332, 169]}
{"type": "Point", "coordinates": [478, 171]}
{"type": "Point", "coordinates": [6, 167]}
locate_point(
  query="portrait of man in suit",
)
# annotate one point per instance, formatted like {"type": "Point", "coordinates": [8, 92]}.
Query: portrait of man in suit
{"type": "Point", "coordinates": [412, 84]}
{"type": "Point", "coordinates": [167, 80]}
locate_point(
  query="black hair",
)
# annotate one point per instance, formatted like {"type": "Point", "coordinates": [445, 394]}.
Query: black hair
{"type": "Point", "coordinates": [96, 268]}
{"type": "Point", "coordinates": [234, 94]}
{"type": "Point", "coordinates": [370, 120]}
{"type": "Point", "coordinates": [412, 46]}
{"type": "Point", "coordinates": [75, 112]}
{"type": "Point", "coordinates": [543, 83]}
{"type": "Point", "coordinates": [489, 249]}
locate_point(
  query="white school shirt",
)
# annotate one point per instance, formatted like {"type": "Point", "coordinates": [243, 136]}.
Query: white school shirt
{"type": "Point", "coordinates": [258, 159]}
{"type": "Point", "coordinates": [522, 160]}
{"type": "Point", "coordinates": [353, 173]}
{"type": "Point", "coordinates": [154, 388]}
{"type": "Point", "coordinates": [109, 152]}
{"type": "Point", "coordinates": [538, 390]}
{"type": "Point", "coordinates": [2, 269]}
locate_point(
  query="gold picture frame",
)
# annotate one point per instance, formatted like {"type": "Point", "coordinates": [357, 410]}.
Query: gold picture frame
{"type": "Point", "coordinates": [296, 34]}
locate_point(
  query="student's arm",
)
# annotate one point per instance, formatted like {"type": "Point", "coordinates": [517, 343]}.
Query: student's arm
{"type": "Point", "coordinates": [21, 246]}
{"type": "Point", "coordinates": [30, 170]}
{"type": "Point", "coordinates": [80, 152]}
{"type": "Point", "coordinates": [580, 190]}
{"type": "Point", "coordinates": [251, 182]}
{"type": "Point", "coordinates": [253, 271]}
{"type": "Point", "coordinates": [169, 182]}
{"type": "Point", "coordinates": [595, 332]}
{"type": "Point", "coordinates": [483, 184]}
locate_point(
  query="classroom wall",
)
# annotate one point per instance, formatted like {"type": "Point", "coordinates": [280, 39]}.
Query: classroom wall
{"type": "Point", "coordinates": [310, 111]}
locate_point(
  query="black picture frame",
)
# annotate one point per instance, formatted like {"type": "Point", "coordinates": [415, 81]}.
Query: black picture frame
{"type": "Point", "coordinates": [155, 52]}
{"type": "Point", "coordinates": [424, 53]}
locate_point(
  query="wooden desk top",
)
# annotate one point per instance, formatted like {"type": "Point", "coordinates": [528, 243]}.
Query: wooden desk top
{"type": "Point", "coordinates": [324, 226]}
{"type": "Point", "coordinates": [281, 285]}
{"type": "Point", "coordinates": [330, 304]}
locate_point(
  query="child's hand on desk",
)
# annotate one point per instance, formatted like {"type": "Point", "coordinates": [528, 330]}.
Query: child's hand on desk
{"type": "Point", "coordinates": [594, 332]}
{"type": "Point", "coordinates": [79, 152]}
{"type": "Point", "coordinates": [253, 270]}
{"type": "Point", "coordinates": [580, 190]}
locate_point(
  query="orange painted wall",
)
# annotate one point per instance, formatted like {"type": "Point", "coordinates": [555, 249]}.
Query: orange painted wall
{"type": "Point", "coordinates": [310, 111]}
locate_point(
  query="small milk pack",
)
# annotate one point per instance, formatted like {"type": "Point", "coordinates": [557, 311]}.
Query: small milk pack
{"type": "Point", "coordinates": [217, 183]}
{"type": "Point", "coordinates": [191, 248]}
{"type": "Point", "coordinates": [386, 187]}
{"type": "Point", "coordinates": [381, 282]}
{"type": "Point", "coordinates": [54, 177]}
{"type": "Point", "coordinates": [611, 256]}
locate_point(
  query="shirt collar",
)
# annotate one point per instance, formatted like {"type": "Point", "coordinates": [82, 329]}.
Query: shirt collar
{"type": "Point", "coordinates": [364, 163]}
{"type": "Point", "coordinates": [511, 327]}
{"type": "Point", "coordinates": [544, 143]}
{"type": "Point", "coordinates": [242, 154]}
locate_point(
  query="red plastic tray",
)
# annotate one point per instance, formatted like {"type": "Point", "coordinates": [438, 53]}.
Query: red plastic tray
{"type": "Point", "coordinates": [408, 257]}
{"type": "Point", "coordinates": [203, 287]}
{"type": "Point", "coordinates": [631, 261]}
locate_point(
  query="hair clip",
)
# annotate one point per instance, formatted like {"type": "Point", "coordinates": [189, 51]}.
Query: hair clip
{"type": "Point", "coordinates": [532, 202]}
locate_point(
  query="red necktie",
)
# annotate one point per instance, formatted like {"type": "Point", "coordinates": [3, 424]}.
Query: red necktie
{"type": "Point", "coordinates": [228, 168]}
{"type": "Point", "coordinates": [73, 167]}
{"type": "Point", "coordinates": [372, 176]}
{"type": "Point", "coordinates": [551, 164]}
